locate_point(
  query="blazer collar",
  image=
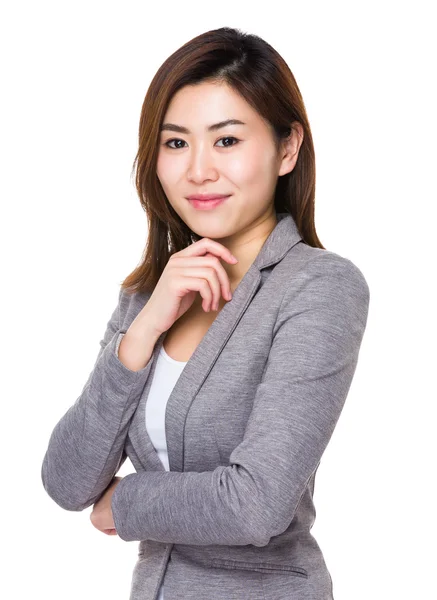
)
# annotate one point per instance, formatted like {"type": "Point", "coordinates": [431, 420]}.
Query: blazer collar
{"type": "Point", "coordinates": [282, 238]}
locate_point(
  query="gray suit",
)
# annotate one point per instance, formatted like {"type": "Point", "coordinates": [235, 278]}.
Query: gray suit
{"type": "Point", "coordinates": [246, 425]}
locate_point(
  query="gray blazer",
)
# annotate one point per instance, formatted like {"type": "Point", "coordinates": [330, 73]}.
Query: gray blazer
{"type": "Point", "coordinates": [246, 424]}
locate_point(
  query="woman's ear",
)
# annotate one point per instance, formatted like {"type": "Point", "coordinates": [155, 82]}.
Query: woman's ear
{"type": "Point", "coordinates": [290, 148]}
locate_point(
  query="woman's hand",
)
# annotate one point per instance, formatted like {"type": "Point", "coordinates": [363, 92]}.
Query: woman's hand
{"type": "Point", "coordinates": [101, 515]}
{"type": "Point", "coordinates": [194, 270]}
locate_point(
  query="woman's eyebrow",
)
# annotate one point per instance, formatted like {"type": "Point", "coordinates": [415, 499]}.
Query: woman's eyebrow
{"type": "Point", "coordinates": [214, 127]}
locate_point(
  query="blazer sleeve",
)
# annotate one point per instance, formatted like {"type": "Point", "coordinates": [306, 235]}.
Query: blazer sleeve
{"type": "Point", "coordinates": [86, 447]}
{"type": "Point", "coordinates": [311, 363]}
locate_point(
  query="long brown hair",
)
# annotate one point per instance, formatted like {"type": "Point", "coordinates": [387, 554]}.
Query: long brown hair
{"type": "Point", "coordinates": [260, 75]}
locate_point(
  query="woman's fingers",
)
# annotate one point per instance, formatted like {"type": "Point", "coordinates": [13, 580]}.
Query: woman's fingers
{"type": "Point", "coordinates": [209, 267]}
{"type": "Point", "coordinates": [206, 246]}
{"type": "Point", "coordinates": [209, 274]}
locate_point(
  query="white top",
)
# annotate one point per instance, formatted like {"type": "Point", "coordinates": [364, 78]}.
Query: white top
{"type": "Point", "coordinates": [167, 372]}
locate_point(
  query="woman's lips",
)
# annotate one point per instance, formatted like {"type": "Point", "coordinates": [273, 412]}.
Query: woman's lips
{"type": "Point", "coordinates": [207, 204]}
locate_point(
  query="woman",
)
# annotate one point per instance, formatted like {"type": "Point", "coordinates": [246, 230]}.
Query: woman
{"type": "Point", "coordinates": [226, 363]}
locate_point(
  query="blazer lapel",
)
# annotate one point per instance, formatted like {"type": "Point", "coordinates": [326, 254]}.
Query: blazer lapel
{"type": "Point", "coordinates": [283, 237]}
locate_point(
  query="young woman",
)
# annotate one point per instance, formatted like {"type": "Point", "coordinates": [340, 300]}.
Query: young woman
{"type": "Point", "coordinates": [226, 363]}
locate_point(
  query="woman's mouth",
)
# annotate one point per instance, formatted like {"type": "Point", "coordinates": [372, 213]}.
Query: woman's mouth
{"type": "Point", "coordinates": [207, 204]}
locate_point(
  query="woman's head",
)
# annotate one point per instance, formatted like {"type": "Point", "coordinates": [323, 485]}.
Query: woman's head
{"type": "Point", "coordinates": [219, 75]}
{"type": "Point", "coordinates": [241, 159]}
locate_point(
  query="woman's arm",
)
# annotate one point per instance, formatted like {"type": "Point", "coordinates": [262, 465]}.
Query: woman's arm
{"type": "Point", "coordinates": [86, 447]}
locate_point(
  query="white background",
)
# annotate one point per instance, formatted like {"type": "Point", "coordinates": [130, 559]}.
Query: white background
{"type": "Point", "coordinates": [73, 78]}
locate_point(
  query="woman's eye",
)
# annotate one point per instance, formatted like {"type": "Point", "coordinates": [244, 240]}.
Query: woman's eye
{"type": "Point", "coordinates": [176, 140]}
{"type": "Point", "coordinates": [228, 138]}
{"type": "Point", "coordinates": [170, 141]}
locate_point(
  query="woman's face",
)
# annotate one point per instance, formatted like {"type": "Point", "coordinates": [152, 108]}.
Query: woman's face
{"type": "Point", "coordinates": [236, 159]}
